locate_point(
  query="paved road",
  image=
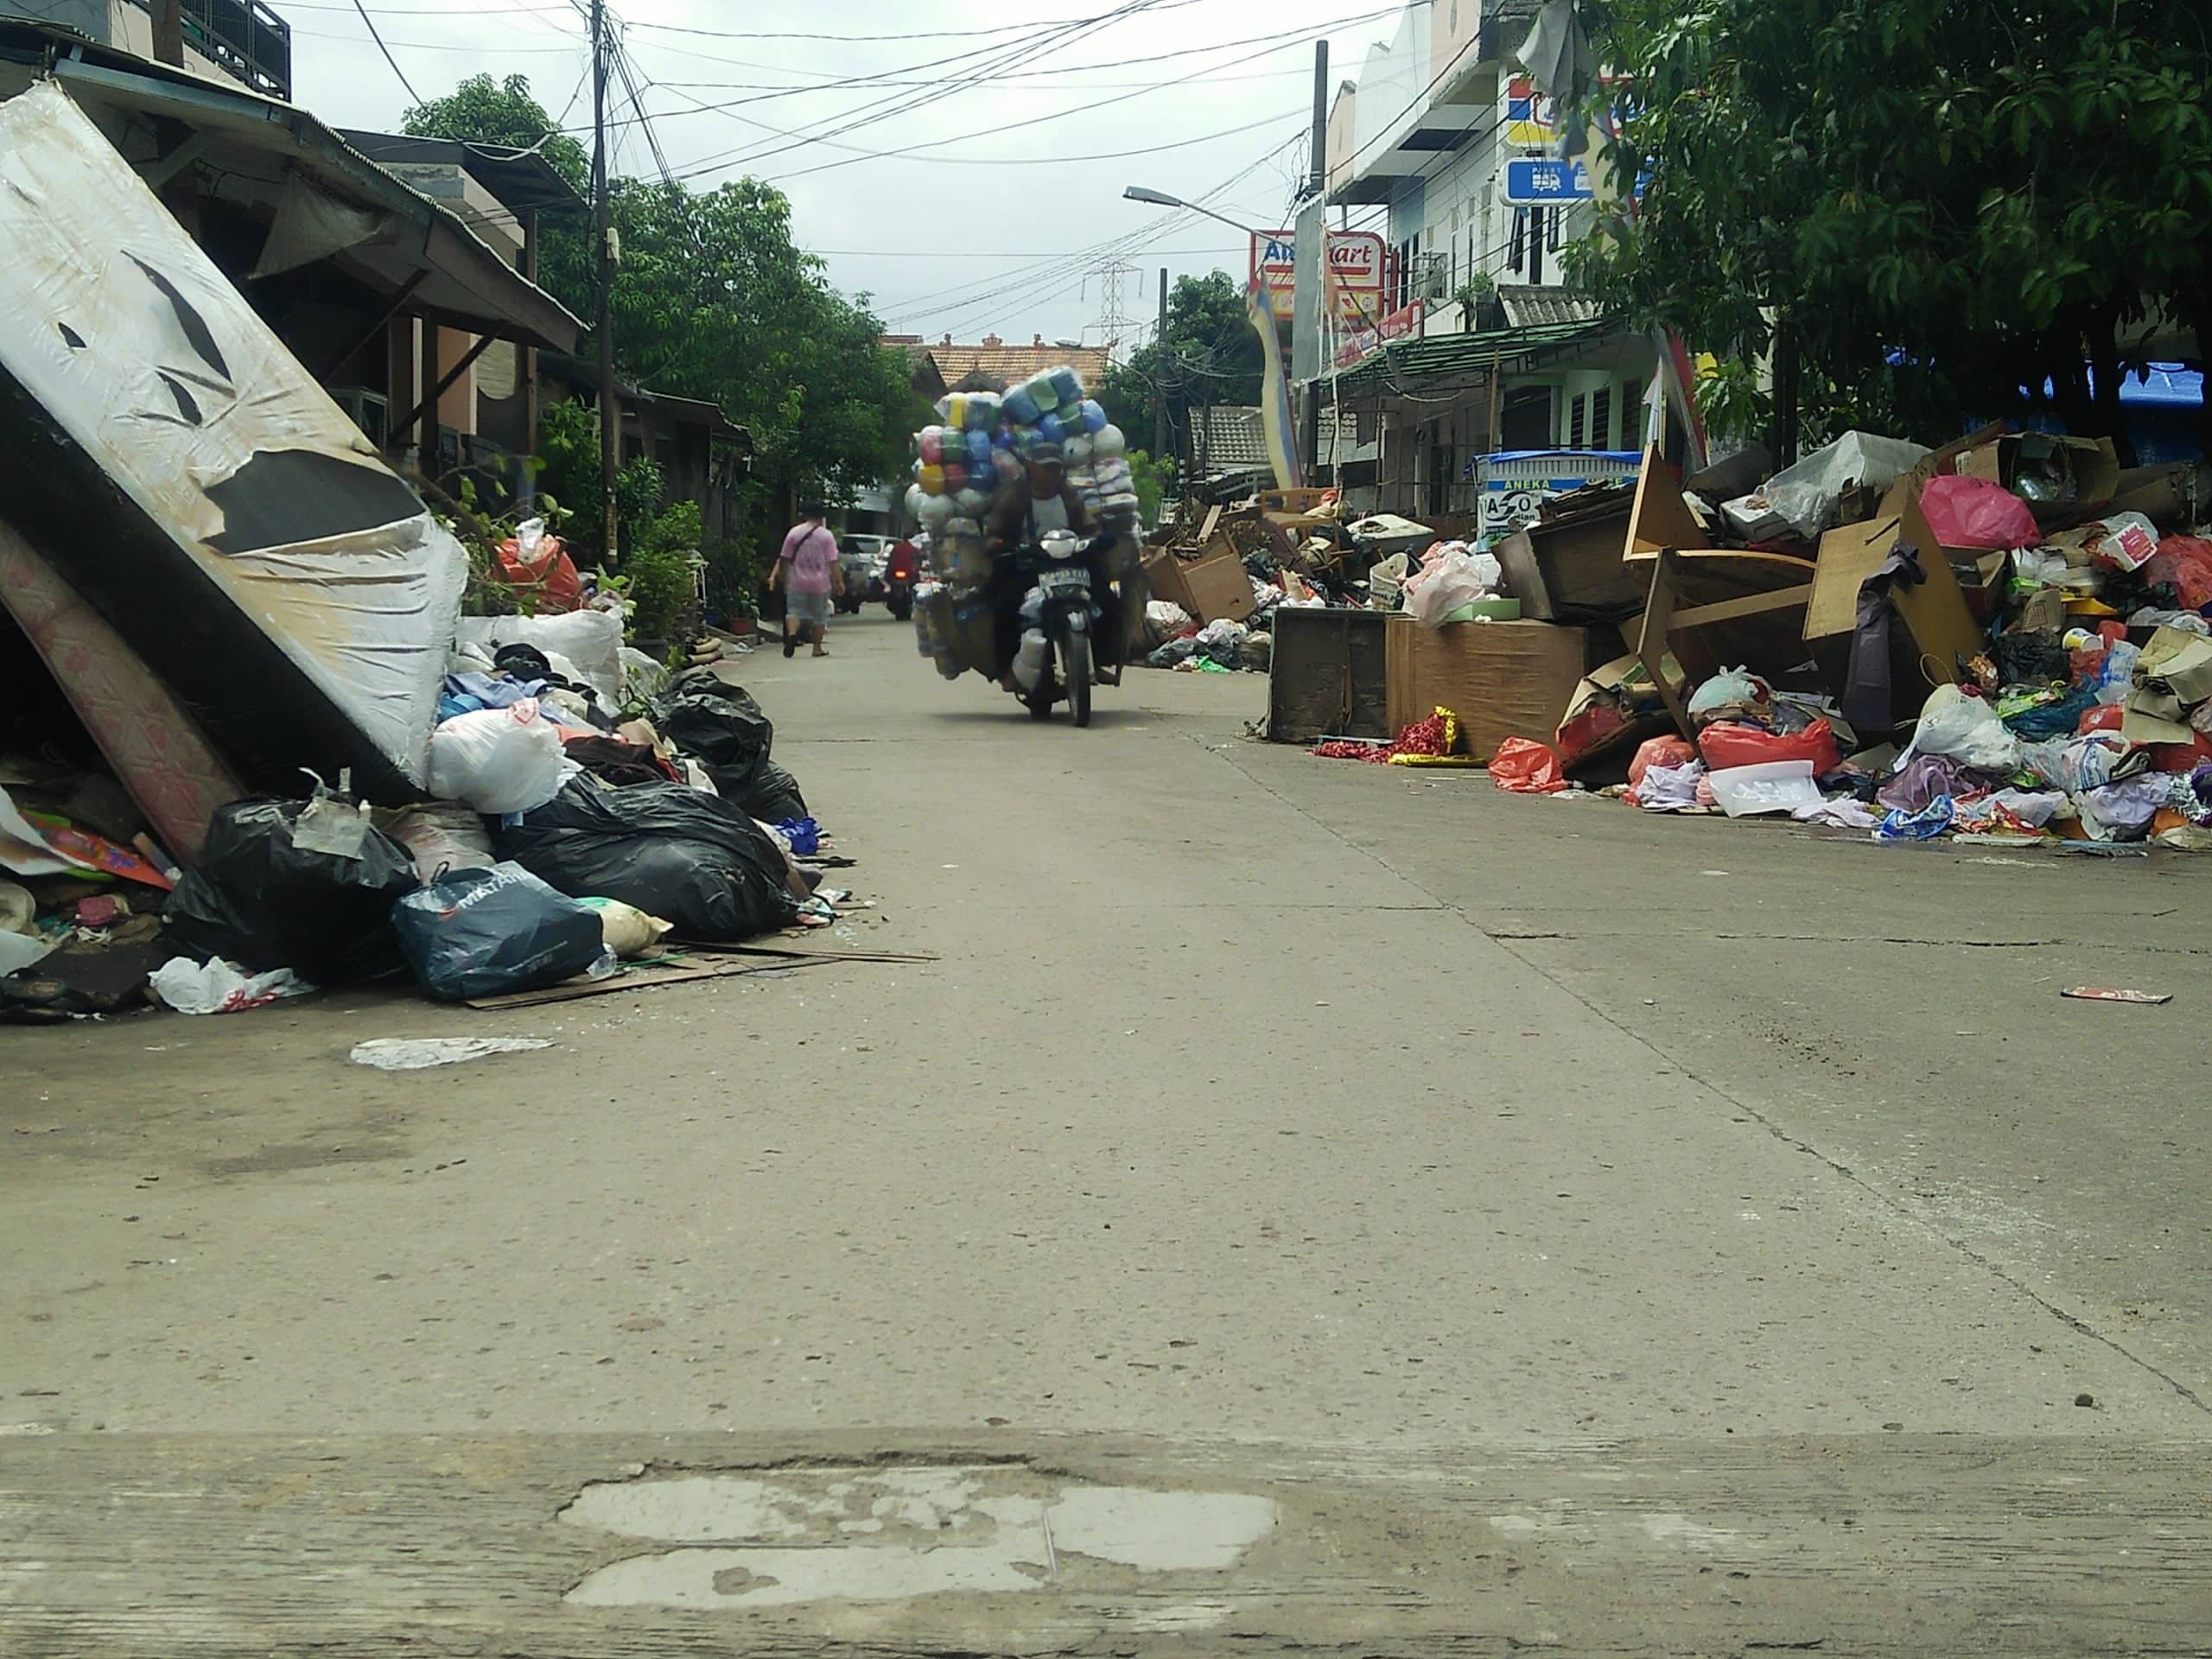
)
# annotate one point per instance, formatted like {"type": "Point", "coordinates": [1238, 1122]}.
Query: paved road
{"type": "Point", "coordinates": [1303, 1206]}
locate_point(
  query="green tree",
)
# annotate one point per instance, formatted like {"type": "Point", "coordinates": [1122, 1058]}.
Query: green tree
{"type": "Point", "coordinates": [713, 300]}
{"type": "Point", "coordinates": [1208, 354]}
{"type": "Point", "coordinates": [1948, 202]}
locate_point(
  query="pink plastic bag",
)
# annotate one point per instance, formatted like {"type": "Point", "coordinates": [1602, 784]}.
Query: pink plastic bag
{"type": "Point", "coordinates": [1975, 512]}
{"type": "Point", "coordinates": [1528, 767]}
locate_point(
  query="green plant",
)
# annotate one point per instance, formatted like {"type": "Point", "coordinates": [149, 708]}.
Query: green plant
{"type": "Point", "coordinates": [1729, 398]}
{"type": "Point", "coordinates": [1479, 289]}
{"type": "Point", "coordinates": [733, 578]}
{"type": "Point", "coordinates": [657, 567]}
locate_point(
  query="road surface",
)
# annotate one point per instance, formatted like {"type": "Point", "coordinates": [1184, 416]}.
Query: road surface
{"type": "Point", "coordinates": [1304, 1205]}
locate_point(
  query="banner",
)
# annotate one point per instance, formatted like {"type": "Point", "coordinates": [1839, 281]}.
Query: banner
{"type": "Point", "coordinates": [1275, 420]}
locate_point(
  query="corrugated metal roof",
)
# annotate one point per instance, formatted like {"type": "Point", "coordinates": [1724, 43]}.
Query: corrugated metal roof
{"type": "Point", "coordinates": [1236, 439]}
{"type": "Point", "coordinates": [1452, 356]}
{"type": "Point", "coordinates": [1537, 307]}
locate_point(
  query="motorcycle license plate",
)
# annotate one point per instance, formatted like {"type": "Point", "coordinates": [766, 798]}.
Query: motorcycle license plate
{"type": "Point", "coordinates": [1075, 581]}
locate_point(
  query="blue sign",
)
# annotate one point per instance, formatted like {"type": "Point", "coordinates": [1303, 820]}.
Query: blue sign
{"type": "Point", "coordinates": [1530, 183]}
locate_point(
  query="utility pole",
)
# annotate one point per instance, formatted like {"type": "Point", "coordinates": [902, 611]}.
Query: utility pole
{"type": "Point", "coordinates": [1158, 390]}
{"type": "Point", "coordinates": [610, 408]}
{"type": "Point", "coordinates": [1317, 183]}
{"type": "Point", "coordinates": [1318, 177]}
{"type": "Point", "coordinates": [168, 32]}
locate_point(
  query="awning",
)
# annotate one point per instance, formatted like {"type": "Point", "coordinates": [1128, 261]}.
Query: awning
{"type": "Point", "coordinates": [323, 200]}
{"type": "Point", "coordinates": [1463, 362]}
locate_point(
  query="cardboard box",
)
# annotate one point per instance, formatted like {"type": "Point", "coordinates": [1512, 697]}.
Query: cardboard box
{"type": "Point", "coordinates": [1937, 624]}
{"type": "Point", "coordinates": [1212, 587]}
{"type": "Point", "coordinates": [1502, 679]}
{"type": "Point", "coordinates": [2089, 468]}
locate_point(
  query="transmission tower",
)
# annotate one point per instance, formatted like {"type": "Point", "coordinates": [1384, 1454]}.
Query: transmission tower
{"type": "Point", "coordinates": [1115, 325]}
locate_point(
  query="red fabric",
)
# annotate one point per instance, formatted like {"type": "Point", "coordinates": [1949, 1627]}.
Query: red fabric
{"type": "Point", "coordinates": [2101, 717]}
{"type": "Point", "coordinates": [1725, 744]}
{"type": "Point", "coordinates": [2181, 757]}
{"type": "Point", "coordinates": [1975, 512]}
{"type": "Point", "coordinates": [551, 577]}
{"type": "Point", "coordinates": [1528, 767]}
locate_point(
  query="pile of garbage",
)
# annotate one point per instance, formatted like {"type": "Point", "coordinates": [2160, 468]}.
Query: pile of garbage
{"type": "Point", "coordinates": [583, 808]}
{"type": "Point", "coordinates": [961, 465]}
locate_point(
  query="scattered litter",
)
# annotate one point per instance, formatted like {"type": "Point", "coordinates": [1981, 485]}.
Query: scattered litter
{"type": "Point", "coordinates": [2099, 994]}
{"type": "Point", "coordinates": [419, 1053]}
{"type": "Point", "coordinates": [219, 986]}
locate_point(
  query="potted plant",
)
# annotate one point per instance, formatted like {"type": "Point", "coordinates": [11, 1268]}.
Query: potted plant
{"type": "Point", "coordinates": [1476, 298]}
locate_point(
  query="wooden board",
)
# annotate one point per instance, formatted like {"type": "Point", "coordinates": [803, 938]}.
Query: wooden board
{"type": "Point", "coordinates": [1502, 679]}
{"type": "Point", "coordinates": [1329, 675]}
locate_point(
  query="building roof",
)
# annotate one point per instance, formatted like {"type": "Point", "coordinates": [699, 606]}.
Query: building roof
{"type": "Point", "coordinates": [995, 359]}
{"type": "Point", "coordinates": [324, 202]}
{"type": "Point", "coordinates": [1462, 359]}
{"type": "Point", "coordinates": [1540, 306]}
{"type": "Point", "coordinates": [1236, 440]}
{"type": "Point", "coordinates": [519, 178]}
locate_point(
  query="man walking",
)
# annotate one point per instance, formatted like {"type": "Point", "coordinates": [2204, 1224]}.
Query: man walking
{"type": "Point", "coordinates": [807, 568]}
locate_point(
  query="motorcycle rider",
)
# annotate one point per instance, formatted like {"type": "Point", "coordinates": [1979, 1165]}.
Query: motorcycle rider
{"type": "Point", "coordinates": [1023, 515]}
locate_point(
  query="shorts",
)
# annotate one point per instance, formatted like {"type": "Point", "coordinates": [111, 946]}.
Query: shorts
{"type": "Point", "coordinates": [812, 609]}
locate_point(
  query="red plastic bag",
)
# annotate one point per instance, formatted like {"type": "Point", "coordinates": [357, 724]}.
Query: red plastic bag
{"type": "Point", "coordinates": [1725, 744]}
{"type": "Point", "coordinates": [545, 572]}
{"type": "Point", "coordinates": [1976, 512]}
{"type": "Point", "coordinates": [2186, 563]}
{"type": "Point", "coordinates": [1528, 767]}
{"type": "Point", "coordinates": [1659, 752]}
{"type": "Point", "coordinates": [2101, 717]}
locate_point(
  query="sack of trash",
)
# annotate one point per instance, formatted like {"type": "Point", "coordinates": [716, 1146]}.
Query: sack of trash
{"type": "Point", "coordinates": [721, 724]}
{"type": "Point", "coordinates": [497, 760]}
{"type": "Point", "coordinates": [304, 885]}
{"type": "Point", "coordinates": [494, 932]}
{"type": "Point", "coordinates": [698, 861]}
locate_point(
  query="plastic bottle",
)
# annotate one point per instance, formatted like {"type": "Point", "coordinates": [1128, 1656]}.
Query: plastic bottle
{"type": "Point", "coordinates": [1044, 391]}
{"type": "Point", "coordinates": [931, 440]}
{"type": "Point", "coordinates": [1021, 406]}
{"type": "Point", "coordinates": [1029, 661]}
{"type": "Point", "coordinates": [1051, 430]}
{"type": "Point", "coordinates": [952, 409]}
{"type": "Point", "coordinates": [1067, 388]}
{"type": "Point", "coordinates": [1094, 417]}
{"type": "Point", "coordinates": [982, 411]}
{"type": "Point", "coordinates": [932, 479]}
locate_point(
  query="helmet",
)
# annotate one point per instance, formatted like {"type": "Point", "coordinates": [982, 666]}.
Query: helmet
{"type": "Point", "coordinates": [1060, 544]}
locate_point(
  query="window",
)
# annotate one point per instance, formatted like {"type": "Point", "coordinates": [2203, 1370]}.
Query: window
{"type": "Point", "coordinates": [1525, 422]}
{"type": "Point", "coordinates": [1601, 418]}
{"type": "Point", "coordinates": [1631, 415]}
{"type": "Point", "coordinates": [1578, 413]}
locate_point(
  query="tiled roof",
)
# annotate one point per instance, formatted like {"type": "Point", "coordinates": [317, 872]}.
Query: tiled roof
{"type": "Point", "coordinates": [1009, 363]}
{"type": "Point", "coordinates": [1540, 306]}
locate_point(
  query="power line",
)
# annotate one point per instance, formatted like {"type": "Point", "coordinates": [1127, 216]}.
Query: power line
{"type": "Point", "coordinates": [371, 22]}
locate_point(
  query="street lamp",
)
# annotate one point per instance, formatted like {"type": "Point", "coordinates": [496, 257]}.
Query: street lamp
{"type": "Point", "coordinates": [1161, 199]}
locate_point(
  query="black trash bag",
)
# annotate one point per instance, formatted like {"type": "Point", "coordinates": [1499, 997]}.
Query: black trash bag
{"type": "Point", "coordinates": [773, 795]}
{"type": "Point", "coordinates": [491, 932]}
{"type": "Point", "coordinates": [2032, 659]}
{"type": "Point", "coordinates": [719, 726]}
{"type": "Point", "coordinates": [263, 902]}
{"type": "Point", "coordinates": [694, 860]}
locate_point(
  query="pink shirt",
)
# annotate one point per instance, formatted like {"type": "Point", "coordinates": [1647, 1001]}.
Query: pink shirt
{"type": "Point", "coordinates": [812, 555]}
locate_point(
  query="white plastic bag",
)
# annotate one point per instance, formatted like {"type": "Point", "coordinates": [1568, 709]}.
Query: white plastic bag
{"type": "Point", "coordinates": [216, 987]}
{"type": "Point", "coordinates": [590, 640]}
{"type": "Point", "coordinates": [497, 760]}
{"type": "Point", "coordinates": [1965, 729]}
{"type": "Point", "coordinates": [1454, 580]}
{"type": "Point", "coordinates": [2076, 764]}
{"type": "Point", "coordinates": [1802, 499]}
{"type": "Point", "coordinates": [1770, 786]}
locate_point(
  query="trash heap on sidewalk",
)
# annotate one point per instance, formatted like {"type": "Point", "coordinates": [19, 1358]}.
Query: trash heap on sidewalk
{"type": "Point", "coordinates": [960, 466]}
{"type": "Point", "coordinates": [252, 744]}
{"type": "Point", "coordinates": [2007, 637]}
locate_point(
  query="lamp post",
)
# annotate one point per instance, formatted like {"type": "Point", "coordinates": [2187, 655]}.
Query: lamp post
{"type": "Point", "coordinates": [1161, 199]}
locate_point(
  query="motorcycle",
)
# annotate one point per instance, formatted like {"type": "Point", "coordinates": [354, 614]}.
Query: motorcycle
{"type": "Point", "coordinates": [902, 573]}
{"type": "Point", "coordinates": [1057, 660]}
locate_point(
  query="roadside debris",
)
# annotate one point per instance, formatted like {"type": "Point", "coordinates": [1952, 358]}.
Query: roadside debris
{"type": "Point", "coordinates": [219, 986]}
{"type": "Point", "coordinates": [420, 1054]}
{"type": "Point", "coordinates": [2099, 993]}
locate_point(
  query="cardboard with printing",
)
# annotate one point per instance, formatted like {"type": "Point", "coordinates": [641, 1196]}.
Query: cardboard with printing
{"type": "Point", "coordinates": [1212, 587]}
{"type": "Point", "coordinates": [1502, 679]}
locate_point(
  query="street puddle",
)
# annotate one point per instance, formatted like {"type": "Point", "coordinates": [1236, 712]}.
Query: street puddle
{"type": "Point", "coordinates": [870, 1534]}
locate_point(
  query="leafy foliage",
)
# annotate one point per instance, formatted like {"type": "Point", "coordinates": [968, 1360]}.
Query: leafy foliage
{"type": "Point", "coordinates": [1208, 354]}
{"type": "Point", "coordinates": [712, 300]}
{"type": "Point", "coordinates": [1951, 200]}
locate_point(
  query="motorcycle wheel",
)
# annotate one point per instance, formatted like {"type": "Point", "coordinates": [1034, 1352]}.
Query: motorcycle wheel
{"type": "Point", "coordinates": [902, 610]}
{"type": "Point", "coordinates": [1075, 665]}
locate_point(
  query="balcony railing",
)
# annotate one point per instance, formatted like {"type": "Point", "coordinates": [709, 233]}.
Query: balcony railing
{"type": "Point", "coordinates": [243, 38]}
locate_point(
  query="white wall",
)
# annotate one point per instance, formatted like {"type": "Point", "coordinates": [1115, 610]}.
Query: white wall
{"type": "Point", "coordinates": [1393, 84]}
{"type": "Point", "coordinates": [129, 28]}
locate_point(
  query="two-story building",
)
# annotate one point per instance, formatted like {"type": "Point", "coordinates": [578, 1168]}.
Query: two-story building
{"type": "Point", "coordinates": [1479, 348]}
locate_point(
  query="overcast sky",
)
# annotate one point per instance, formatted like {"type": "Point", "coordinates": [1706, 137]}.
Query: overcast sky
{"type": "Point", "coordinates": [1216, 95]}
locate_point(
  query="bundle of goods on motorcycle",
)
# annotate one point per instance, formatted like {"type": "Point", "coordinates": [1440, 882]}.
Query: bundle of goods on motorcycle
{"type": "Point", "coordinates": [959, 468]}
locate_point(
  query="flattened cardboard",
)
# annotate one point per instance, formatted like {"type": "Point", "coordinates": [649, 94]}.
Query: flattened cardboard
{"type": "Point", "coordinates": [1502, 679]}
